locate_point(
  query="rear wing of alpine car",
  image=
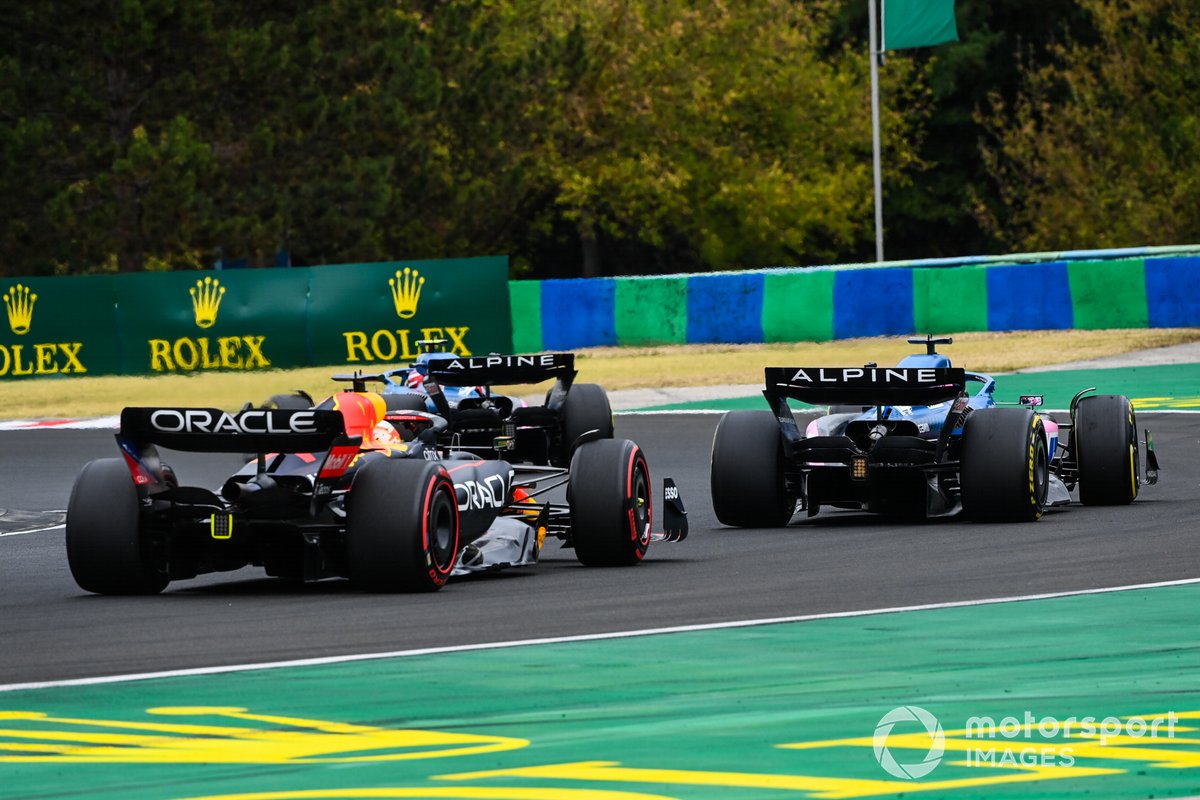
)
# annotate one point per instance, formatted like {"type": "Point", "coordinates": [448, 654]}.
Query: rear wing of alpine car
{"type": "Point", "coordinates": [491, 370]}
{"type": "Point", "coordinates": [866, 386]}
{"type": "Point", "coordinates": [210, 430]}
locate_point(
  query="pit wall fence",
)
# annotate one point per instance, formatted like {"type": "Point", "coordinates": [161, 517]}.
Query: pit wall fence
{"type": "Point", "coordinates": [1127, 288]}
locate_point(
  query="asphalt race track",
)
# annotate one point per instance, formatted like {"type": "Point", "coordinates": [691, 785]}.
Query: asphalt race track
{"type": "Point", "coordinates": [838, 561]}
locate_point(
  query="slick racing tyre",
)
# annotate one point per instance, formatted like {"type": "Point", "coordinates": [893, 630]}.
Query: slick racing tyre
{"type": "Point", "coordinates": [402, 526]}
{"type": "Point", "coordinates": [405, 401]}
{"type": "Point", "coordinates": [586, 408]}
{"type": "Point", "coordinates": [611, 507]}
{"type": "Point", "coordinates": [848, 409]}
{"type": "Point", "coordinates": [1005, 472]}
{"type": "Point", "coordinates": [747, 472]}
{"type": "Point", "coordinates": [107, 548]}
{"type": "Point", "coordinates": [296, 401]}
{"type": "Point", "coordinates": [1106, 449]}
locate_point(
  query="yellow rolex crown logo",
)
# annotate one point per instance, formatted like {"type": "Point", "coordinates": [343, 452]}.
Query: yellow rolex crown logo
{"type": "Point", "coordinates": [406, 292]}
{"type": "Point", "coordinates": [20, 308]}
{"type": "Point", "coordinates": [206, 299]}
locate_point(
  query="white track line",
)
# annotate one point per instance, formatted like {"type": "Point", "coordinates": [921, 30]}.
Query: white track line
{"type": "Point", "coordinates": [34, 530]}
{"type": "Point", "coordinates": [587, 637]}
{"type": "Point", "coordinates": [44, 528]}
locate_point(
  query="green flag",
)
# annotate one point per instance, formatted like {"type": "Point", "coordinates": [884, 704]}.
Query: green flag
{"type": "Point", "coordinates": [918, 23]}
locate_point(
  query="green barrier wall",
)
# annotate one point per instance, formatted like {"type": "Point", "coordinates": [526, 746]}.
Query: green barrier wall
{"type": "Point", "coordinates": [651, 311]}
{"type": "Point", "coordinates": [59, 326]}
{"type": "Point", "coordinates": [798, 307]}
{"type": "Point", "coordinates": [376, 313]}
{"type": "Point", "coordinates": [183, 322]}
{"type": "Point", "coordinates": [228, 320]}
{"type": "Point", "coordinates": [950, 299]}
{"type": "Point", "coordinates": [1109, 294]}
{"type": "Point", "coordinates": [526, 305]}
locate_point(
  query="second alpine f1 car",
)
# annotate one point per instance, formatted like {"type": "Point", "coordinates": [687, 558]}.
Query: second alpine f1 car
{"type": "Point", "coordinates": [354, 487]}
{"type": "Point", "coordinates": [920, 439]}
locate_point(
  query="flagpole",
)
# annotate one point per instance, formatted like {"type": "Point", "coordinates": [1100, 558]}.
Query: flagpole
{"type": "Point", "coordinates": [874, 45]}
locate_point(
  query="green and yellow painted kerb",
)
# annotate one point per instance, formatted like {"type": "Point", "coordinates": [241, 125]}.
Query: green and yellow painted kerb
{"type": "Point", "coordinates": [755, 713]}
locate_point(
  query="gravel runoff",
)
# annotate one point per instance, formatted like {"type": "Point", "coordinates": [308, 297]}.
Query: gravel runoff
{"type": "Point", "coordinates": [626, 399]}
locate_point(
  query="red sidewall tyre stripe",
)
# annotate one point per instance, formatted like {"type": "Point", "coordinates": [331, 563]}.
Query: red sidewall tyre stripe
{"type": "Point", "coordinates": [636, 458]}
{"type": "Point", "coordinates": [437, 573]}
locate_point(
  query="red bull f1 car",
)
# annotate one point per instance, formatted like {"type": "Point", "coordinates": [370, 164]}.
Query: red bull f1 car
{"type": "Point", "coordinates": [923, 438]}
{"type": "Point", "coordinates": [354, 488]}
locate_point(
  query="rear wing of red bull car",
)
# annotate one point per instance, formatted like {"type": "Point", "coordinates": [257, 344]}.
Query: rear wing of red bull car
{"type": "Point", "coordinates": [211, 430]}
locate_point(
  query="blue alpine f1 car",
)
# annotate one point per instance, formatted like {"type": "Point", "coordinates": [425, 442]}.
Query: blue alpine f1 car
{"type": "Point", "coordinates": [923, 438]}
{"type": "Point", "coordinates": [459, 388]}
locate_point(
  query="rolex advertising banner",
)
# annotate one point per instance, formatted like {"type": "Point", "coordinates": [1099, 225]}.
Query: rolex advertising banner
{"type": "Point", "coordinates": [159, 323]}
{"type": "Point", "coordinates": [374, 314]}
{"type": "Point", "coordinates": [224, 320]}
{"type": "Point", "coordinates": [58, 326]}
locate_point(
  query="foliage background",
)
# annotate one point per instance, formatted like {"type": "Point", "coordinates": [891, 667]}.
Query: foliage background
{"type": "Point", "coordinates": [583, 137]}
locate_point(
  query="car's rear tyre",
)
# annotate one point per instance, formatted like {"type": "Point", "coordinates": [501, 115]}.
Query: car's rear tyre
{"type": "Point", "coordinates": [586, 408]}
{"type": "Point", "coordinates": [1106, 449]}
{"type": "Point", "coordinates": [293, 401]}
{"type": "Point", "coordinates": [1005, 473]}
{"type": "Point", "coordinates": [107, 549]}
{"type": "Point", "coordinates": [402, 526]}
{"type": "Point", "coordinates": [747, 471]}
{"type": "Point", "coordinates": [848, 409]}
{"type": "Point", "coordinates": [611, 503]}
{"type": "Point", "coordinates": [405, 401]}
{"type": "Point", "coordinates": [296, 400]}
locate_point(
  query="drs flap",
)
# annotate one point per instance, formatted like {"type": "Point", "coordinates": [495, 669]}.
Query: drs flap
{"type": "Point", "coordinates": [867, 386]}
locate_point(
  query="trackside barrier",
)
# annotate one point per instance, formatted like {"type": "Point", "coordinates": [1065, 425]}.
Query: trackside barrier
{"type": "Point", "coordinates": [373, 314]}
{"type": "Point", "coordinates": [1129, 288]}
{"type": "Point", "coordinates": [368, 315]}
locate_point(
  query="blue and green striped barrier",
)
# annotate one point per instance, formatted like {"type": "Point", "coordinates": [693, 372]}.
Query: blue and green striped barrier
{"type": "Point", "coordinates": [1131, 288]}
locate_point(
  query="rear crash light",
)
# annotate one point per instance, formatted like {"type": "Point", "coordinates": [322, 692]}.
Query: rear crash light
{"type": "Point", "coordinates": [858, 468]}
{"type": "Point", "coordinates": [221, 526]}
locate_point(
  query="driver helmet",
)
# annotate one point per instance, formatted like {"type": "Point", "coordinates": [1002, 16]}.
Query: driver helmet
{"type": "Point", "coordinates": [385, 433]}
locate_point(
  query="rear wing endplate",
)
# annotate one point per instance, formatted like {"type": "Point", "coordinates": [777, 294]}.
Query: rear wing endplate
{"type": "Point", "coordinates": [867, 386]}
{"type": "Point", "coordinates": [211, 430]}
{"type": "Point", "coordinates": [491, 370]}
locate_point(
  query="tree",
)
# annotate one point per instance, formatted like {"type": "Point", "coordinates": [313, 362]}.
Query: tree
{"type": "Point", "coordinates": [326, 146]}
{"type": "Point", "coordinates": [577, 135]}
{"type": "Point", "coordinates": [153, 134]}
{"type": "Point", "coordinates": [726, 127]}
{"type": "Point", "coordinates": [1100, 148]}
{"type": "Point", "coordinates": [106, 167]}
